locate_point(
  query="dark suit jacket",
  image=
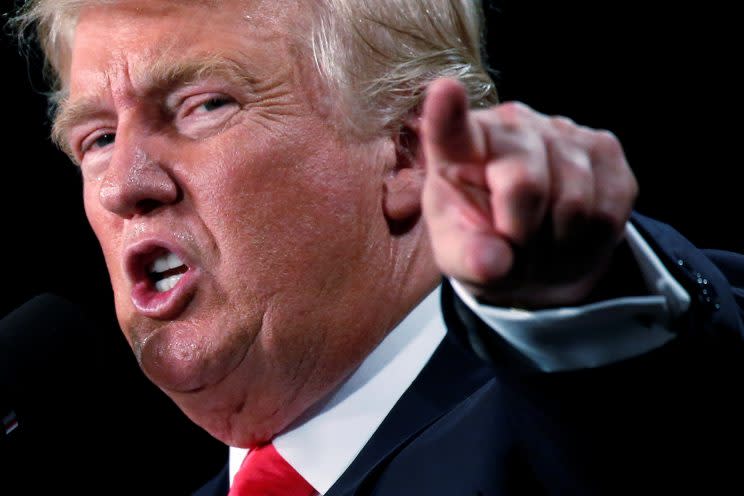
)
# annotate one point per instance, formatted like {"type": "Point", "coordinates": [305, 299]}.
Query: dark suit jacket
{"type": "Point", "coordinates": [659, 423]}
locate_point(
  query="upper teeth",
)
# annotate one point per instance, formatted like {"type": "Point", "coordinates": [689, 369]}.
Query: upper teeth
{"type": "Point", "coordinates": [165, 262]}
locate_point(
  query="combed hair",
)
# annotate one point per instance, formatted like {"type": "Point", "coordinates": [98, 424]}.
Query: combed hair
{"type": "Point", "coordinates": [375, 57]}
{"type": "Point", "coordinates": [380, 55]}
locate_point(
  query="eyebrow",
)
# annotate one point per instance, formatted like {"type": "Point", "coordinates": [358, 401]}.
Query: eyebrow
{"type": "Point", "coordinates": [163, 75]}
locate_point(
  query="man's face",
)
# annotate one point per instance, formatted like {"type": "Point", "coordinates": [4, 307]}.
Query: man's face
{"type": "Point", "coordinates": [243, 234]}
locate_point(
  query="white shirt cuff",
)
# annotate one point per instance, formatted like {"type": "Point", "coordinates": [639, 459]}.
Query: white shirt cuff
{"type": "Point", "coordinates": [597, 334]}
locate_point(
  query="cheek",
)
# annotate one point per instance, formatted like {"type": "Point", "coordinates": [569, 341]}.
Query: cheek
{"type": "Point", "coordinates": [283, 205]}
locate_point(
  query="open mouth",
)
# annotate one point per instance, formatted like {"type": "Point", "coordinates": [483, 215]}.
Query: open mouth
{"type": "Point", "coordinates": [165, 272]}
{"type": "Point", "coordinates": [163, 282]}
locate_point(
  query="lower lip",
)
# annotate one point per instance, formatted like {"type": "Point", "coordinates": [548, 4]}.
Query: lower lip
{"type": "Point", "coordinates": [168, 304]}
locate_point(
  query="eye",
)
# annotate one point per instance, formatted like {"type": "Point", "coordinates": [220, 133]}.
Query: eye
{"type": "Point", "coordinates": [200, 103]}
{"type": "Point", "coordinates": [104, 140]}
{"type": "Point", "coordinates": [207, 105]}
{"type": "Point", "coordinates": [215, 103]}
{"type": "Point", "coordinates": [97, 141]}
{"type": "Point", "coordinates": [204, 114]}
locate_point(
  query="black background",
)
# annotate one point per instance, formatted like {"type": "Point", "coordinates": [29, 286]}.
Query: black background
{"type": "Point", "coordinates": [660, 76]}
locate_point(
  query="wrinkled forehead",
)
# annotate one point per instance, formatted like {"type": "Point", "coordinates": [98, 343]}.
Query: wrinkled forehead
{"type": "Point", "coordinates": [149, 32]}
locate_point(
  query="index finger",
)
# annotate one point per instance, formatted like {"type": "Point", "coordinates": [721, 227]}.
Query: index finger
{"type": "Point", "coordinates": [450, 136]}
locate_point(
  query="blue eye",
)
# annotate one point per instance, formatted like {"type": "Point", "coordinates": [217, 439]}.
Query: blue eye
{"type": "Point", "coordinates": [104, 140]}
{"type": "Point", "coordinates": [215, 103]}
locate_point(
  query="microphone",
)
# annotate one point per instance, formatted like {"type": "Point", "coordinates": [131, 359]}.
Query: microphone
{"type": "Point", "coordinates": [74, 406]}
{"type": "Point", "coordinates": [41, 346]}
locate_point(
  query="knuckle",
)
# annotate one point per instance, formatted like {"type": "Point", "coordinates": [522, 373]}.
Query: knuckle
{"type": "Point", "coordinates": [585, 136]}
{"type": "Point", "coordinates": [606, 135]}
{"type": "Point", "coordinates": [515, 107]}
{"type": "Point", "coordinates": [563, 124]}
{"type": "Point", "coordinates": [580, 167]}
{"type": "Point", "coordinates": [514, 114]}
{"type": "Point", "coordinates": [572, 159]}
{"type": "Point", "coordinates": [606, 142]}
{"type": "Point", "coordinates": [527, 142]}
{"type": "Point", "coordinates": [517, 141]}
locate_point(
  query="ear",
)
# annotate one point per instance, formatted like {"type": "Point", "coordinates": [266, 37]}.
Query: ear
{"type": "Point", "coordinates": [405, 182]}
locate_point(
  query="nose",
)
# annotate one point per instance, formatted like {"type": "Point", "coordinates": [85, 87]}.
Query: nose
{"type": "Point", "coordinates": [138, 178]}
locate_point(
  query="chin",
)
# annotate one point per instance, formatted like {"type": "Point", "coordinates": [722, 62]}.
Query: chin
{"type": "Point", "coordinates": [184, 357]}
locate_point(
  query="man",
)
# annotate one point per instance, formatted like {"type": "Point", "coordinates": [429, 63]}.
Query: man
{"type": "Point", "coordinates": [277, 188]}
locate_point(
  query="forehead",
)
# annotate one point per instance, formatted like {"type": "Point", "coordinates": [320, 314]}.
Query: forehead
{"type": "Point", "coordinates": [130, 38]}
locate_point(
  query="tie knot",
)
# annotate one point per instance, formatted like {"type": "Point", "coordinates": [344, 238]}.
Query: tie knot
{"type": "Point", "coordinates": [265, 473]}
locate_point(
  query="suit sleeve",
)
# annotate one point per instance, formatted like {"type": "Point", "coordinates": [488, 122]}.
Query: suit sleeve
{"type": "Point", "coordinates": [714, 280]}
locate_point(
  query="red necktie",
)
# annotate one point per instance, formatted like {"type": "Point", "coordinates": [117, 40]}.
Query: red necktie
{"type": "Point", "coordinates": [265, 473]}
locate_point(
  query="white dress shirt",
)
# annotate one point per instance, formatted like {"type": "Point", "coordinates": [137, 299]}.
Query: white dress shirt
{"type": "Point", "coordinates": [323, 445]}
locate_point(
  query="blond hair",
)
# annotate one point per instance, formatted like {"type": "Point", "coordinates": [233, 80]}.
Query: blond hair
{"type": "Point", "coordinates": [377, 56]}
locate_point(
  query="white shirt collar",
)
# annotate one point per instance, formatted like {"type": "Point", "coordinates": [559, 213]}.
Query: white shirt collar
{"type": "Point", "coordinates": [323, 446]}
